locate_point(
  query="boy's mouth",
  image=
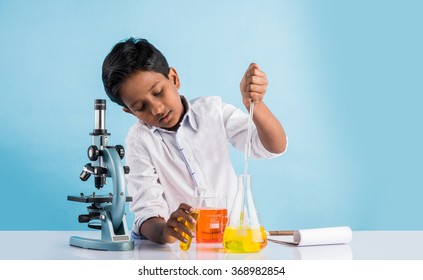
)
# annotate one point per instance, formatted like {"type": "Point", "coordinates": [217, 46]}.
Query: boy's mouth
{"type": "Point", "coordinates": [166, 117]}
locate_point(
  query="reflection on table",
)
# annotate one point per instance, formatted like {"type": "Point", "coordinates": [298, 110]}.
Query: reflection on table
{"type": "Point", "coordinates": [365, 245]}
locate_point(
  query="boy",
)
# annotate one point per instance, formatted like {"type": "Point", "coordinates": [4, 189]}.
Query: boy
{"type": "Point", "coordinates": [176, 145]}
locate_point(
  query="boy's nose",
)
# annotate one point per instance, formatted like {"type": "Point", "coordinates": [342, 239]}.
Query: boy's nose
{"type": "Point", "coordinates": [157, 108]}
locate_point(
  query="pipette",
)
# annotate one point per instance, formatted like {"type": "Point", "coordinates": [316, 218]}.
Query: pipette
{"type": "Point", "coordinates": [247, 153]}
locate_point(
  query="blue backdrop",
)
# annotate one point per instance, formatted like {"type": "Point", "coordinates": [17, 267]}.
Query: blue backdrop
{"type": "Point", "coordinates": [345, 79]}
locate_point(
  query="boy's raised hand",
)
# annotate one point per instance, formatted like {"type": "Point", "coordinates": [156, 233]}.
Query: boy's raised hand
{"type": "Point", "coordinates": [253, 85]}
{"type": "Point", "coordinates": [270, 132]}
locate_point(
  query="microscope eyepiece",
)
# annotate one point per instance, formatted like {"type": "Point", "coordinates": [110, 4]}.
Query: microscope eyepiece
{"type": "Point", "coordinates": [100, 117]}
{"type": "Point", "coordinates": [100, 104]}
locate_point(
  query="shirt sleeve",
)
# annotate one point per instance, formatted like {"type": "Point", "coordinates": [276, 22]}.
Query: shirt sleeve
{"type": "Point", "coordinates": [143, 184]}
{"type": "Point", "coordinates": [236, 126]}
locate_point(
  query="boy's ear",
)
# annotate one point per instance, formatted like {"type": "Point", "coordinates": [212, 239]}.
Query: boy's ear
{"type": "Point", "coordinates": [173, 76]}
{"type": "Point", "coordinates": [126, 110]}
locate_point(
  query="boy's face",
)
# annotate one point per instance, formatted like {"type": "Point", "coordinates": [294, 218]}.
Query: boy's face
{"type": "Point", "coordinates": [153, 99]}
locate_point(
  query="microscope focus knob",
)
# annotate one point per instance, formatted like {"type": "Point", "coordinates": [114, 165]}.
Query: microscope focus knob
{"type": "Point", "coordinates": [93, 152]}
{"type": "Point", "coordinates": [120, 150]}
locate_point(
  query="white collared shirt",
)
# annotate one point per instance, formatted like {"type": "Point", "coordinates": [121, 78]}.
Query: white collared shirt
{"type": "Point", "coordinates": [166, 166]}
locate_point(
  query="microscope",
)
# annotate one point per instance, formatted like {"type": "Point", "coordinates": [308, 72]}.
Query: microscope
{"type": "Point", "coordinates": [106, 212]}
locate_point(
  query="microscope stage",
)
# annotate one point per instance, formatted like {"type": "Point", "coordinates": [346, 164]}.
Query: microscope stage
{"type": "Point", "coordinates": [95, 198]}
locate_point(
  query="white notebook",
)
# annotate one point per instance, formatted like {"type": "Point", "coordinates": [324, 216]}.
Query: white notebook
{"type": "Point", "coordinates": [316, 236]}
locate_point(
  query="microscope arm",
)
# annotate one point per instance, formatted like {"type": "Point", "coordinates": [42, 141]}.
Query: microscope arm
{"type": "Point", "coordinates": [116, 172]}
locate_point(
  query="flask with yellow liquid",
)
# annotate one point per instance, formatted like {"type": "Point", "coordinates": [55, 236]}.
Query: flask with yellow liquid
{"type": "Point", "coordinates": [187, 245]}
{"type": "Point", "coordinates": [244, 233]}
{"type": "Point", "coordinates": [195, 203]}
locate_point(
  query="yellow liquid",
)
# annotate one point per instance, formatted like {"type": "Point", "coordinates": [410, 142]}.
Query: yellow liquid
{"type": "Point", "coordinates": [185, 246]}
{"type": "Point", "coordinates": [244, 239]}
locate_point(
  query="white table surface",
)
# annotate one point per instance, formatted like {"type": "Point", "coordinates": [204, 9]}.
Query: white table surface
{"type": "Point", "coordinates": [365, 245]}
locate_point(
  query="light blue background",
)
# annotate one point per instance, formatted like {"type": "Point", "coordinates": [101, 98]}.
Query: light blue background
{"type": "Point", "coordinates": [345, 79]}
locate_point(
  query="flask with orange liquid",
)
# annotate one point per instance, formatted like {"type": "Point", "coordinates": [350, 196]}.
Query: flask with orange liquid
{"type": "Point", "coordinates": [212, 220]}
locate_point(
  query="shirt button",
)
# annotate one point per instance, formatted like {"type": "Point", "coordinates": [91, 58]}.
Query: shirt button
{"type": "Point", "coordinates": [191, 159]}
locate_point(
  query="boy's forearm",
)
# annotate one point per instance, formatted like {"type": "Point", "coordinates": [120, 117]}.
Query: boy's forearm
{"type": "Point", "coordinates": [269, 129]}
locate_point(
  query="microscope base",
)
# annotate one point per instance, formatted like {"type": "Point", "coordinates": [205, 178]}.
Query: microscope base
{"type": "Point", "coordinates": [96, 244]}
{"type": "Point", "coordinates": [111, 240]}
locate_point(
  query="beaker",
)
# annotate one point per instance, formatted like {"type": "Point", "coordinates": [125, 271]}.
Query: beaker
{"type": "Point", "coordinates": [244, 233]}
{"type": "Point", "coordinates": [195, 203]}
{"type": "Point", "coordinates": [212, 220]}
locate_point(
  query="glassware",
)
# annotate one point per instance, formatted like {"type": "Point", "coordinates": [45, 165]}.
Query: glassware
{"type": "Point", "coordinates": [212, 220]}
{"type": "Point", "coordinates": [196, 202]}
{"type": "Point", "coordinates": [244, 233]}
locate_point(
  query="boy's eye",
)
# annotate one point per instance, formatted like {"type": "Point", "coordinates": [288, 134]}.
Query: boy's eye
{"type": "Point", "coordinates": [141, 108]}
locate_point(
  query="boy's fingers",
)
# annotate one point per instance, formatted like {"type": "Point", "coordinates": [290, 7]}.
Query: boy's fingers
{"type": "Point", "coordinates": [176, 233]}
{"type": "Point", "coordinates": [185, 207]}
{"type": "Point", "coordinates": [256, 88]}
{"type": "Point", "coordinates": [182, 214]}
{"type": "Point", "coordinates": [253, 65]}
{"type": "Point", "coordinates": [250, 70]}
{"type": "Point", "coordinates": [177, 227]}
{"type": "Point", "coordinates": [257, 80]}
{"type": "Point", "coordinates": [256, 96]}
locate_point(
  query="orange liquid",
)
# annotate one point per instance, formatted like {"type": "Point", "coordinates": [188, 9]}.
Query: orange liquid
{"type": "Point", "coordinates": [211, 225]}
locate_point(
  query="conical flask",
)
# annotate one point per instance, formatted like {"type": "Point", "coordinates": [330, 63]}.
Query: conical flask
{"type": "Point", "coordinates": [244, 233]}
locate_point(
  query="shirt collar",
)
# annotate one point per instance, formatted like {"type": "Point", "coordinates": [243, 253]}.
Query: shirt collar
{"type": "Point", "coordinates": [188, 119]}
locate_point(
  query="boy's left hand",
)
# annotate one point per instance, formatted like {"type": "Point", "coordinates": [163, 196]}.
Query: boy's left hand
{"type": "Point", "coordinates": [253, 85]}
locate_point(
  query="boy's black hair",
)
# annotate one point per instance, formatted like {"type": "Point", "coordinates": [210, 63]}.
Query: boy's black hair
{"type": "Point", "coordinates": [127, 58]}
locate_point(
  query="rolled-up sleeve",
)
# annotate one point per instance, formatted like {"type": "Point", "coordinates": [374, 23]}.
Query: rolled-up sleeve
{"type": "Point", "coordinates": [236, 126]}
